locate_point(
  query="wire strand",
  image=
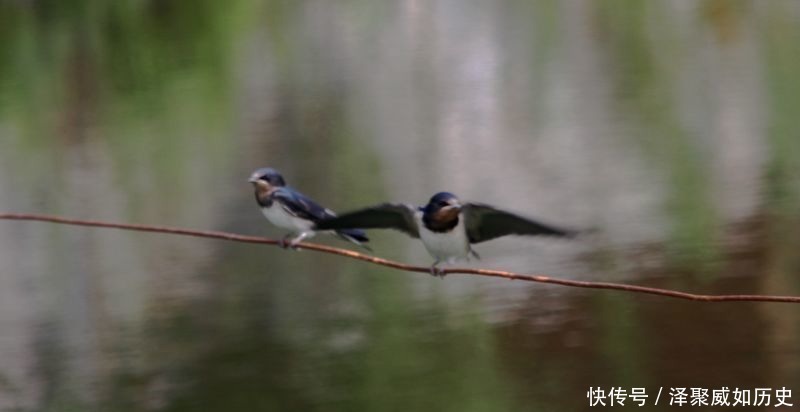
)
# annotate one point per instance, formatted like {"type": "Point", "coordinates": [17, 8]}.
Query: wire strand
{"type": "Point", "coordinates": [402, 266]}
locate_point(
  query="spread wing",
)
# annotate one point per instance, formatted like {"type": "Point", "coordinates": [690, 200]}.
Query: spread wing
{"type": "Point", "coordinates": [484, 223]}
{"type": "Point", "coordinates": [300, 205]}
{"type": "Point", "coordinates": [385, 216]}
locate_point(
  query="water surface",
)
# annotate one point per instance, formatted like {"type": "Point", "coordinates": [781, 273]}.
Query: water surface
{"type": "Point", "coordinates": [670, 127]}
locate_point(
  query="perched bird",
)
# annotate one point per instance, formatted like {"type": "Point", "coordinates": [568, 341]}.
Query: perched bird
{"type": "Point", "coordinates": [446, 227]}
{"type": "Point", "coordinates": [289, 209]}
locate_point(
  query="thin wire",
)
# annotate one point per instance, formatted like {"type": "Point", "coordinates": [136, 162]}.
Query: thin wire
{"type": "Point", "coordinates": [402, 266]}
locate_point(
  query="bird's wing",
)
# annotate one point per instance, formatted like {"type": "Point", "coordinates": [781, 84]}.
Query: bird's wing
{"type": "Point", "coordinates": [297, 204]}
{"type": "Point", "coordinates": [485, 222]}
{"type": "Point", "coordinates": [385, 216]}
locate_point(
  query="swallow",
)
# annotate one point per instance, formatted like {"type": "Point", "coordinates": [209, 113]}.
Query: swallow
{"type": "Point", "coordinates": [447, 228]}
{"type": "Point", "coordinates": [289, 209]}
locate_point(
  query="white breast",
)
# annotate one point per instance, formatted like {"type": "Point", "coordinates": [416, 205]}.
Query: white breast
{"type": "Point", "coordinates": [279, 217]}
{"type": "Point", "coordinates": [445, 246]}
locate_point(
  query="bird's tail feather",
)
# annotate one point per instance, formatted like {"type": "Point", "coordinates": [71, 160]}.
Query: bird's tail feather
{"type": "Point", "coordinates": [356, 236]}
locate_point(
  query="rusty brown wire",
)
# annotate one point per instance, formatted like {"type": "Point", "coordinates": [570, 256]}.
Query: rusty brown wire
{"type": "Point", "coordinates": [402, 266]}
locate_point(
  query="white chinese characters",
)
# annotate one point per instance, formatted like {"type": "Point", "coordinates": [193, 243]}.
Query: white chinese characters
{"type": "Point", "coordinates": [682, 396]}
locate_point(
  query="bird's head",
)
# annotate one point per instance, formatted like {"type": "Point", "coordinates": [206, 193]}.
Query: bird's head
{"type": "Point", "coordinates": [443, 207]}
{"type": "Point", "coordinates": [266, 178]}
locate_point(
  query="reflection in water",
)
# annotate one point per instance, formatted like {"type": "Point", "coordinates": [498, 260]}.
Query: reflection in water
{"type": "Point", "coordinates": [670, 127]}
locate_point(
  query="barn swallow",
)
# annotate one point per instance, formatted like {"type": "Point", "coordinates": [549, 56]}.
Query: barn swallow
{"type": "Point", "coordinates": [446, 227]}
{"type": "Point", "coordinates": [289, 209]}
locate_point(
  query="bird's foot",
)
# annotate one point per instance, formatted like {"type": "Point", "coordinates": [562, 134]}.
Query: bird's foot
{"type": "Point", "coordinates": [295, 242]}
{"type": "Point", "coordinates": [288, 243]}
{"type": "Point", "coordinates": [437, 272]}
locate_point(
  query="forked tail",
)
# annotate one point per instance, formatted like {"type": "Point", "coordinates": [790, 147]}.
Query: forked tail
{"type": "Point", "coordinates": [356, 236]}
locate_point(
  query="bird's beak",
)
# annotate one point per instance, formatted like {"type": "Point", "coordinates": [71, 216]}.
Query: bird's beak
{"type": "Point", "coordinates": [453, 206]}
{"type": "Point", "coordinates": [253, 179]}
